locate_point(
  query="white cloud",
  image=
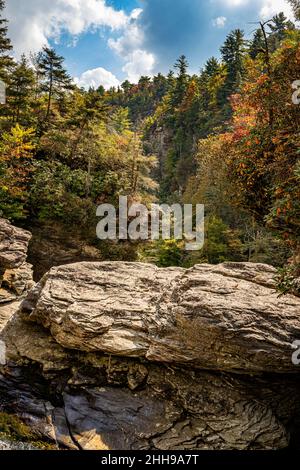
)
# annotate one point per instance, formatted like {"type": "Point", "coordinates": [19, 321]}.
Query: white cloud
{"type": "Point", "coordinates": [96, 77]}
{"type": "Point", "coordinates": [139, 63]}
{"type": "Point", "coordinates": [33, 22]}
{"type": "Point", "coordinates": [268, 8]}
{"type": "Point", "coordinates": [219, 22]}
{"type": "Point", "coordinates": [136, 13]}
{"type": "Point", "coordinates": [271, 7]}
{"type": "Point", "coordinates": [132, 39]}
{"type": "Point", "coordinates": [236, 3]}
{"type": "Point", "coordinates": [130, 48]}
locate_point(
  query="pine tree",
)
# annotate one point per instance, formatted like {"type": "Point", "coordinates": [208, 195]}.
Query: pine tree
{"type": "Point", "coordinates": [233, 54]}
{"type": "Point", "coordinates": [126, 86]}
{"type": "Point", "coordinates": [89, 108]}
{"type": "Point", "coordinates": [211, 67]}
{"type": "Point", "coordinates": [257, 44]}
{"type": "Point", "coordinates": [55, 79]}
{"type": "Point", "coordinates": [278, 26]}
{"type": "Point", "coordinates": [181, 81]}
{"type": "Point", "coordinates": [5, 46]}
{"type": "Point", "coordinates": [296, 8]}
{"type": "Point", "coordinates": [20, 92]}
{"type": "Point", "coordinates": [160, 84]}
{"type": "Point", "coordinates": [170, 80]}
{"type": "Point", "coordinates": [144, 81]}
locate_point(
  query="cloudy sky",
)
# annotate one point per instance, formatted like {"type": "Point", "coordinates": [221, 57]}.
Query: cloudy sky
{"type": "Point", "coordinates": [107, 41]}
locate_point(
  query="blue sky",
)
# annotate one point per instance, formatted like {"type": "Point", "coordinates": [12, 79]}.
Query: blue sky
{"type": "Point", "coordinates": [108, 41]}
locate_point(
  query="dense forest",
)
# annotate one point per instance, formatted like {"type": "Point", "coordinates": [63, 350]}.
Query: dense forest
{"type": "Point", "coordinates": [227, 137]}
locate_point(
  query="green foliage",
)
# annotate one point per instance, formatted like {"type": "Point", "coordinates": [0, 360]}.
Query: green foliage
{"type": "Point", "coordinates": [221, 242]}
{"type": "Point", "coordinates": [58, 193]}
{"type": "Point", "coordinates": [257, 45]}
{"type": "Point", "coordinates": [16, 152]}
{"type": "Point", "coordinates": [53, 78]}
{"type": "Point", "coordinates": [296, 8]}
{"type": "Point", "coordinates": [233, 55]}
{"type": "Point", "coordinates": [279, 26]}
{"type": "Point", "coordinates": [5, 47]}
{"type": "Point", "coordinates": [12, 428]}
{"type": "Point", "coordinates": [20, 94]}
{"type": "Point", "coordinates": [288, 280]}
{"type": "Point", "coordinates": [227, 137]}
{"type": "Point", "coordinates": [163, 253]}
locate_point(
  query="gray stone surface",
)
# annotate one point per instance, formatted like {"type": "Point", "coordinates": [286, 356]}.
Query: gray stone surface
{"type": "Point", "coordinates": [16, 277]}
{"type": "Point", "coordinates": [12, 445]}
{"type": "Point", "coordinates": [227, 317]}
{"type": "Point", "coordinates": [13, 245]}
{"type": "Point", "coordinates": [129, 356]}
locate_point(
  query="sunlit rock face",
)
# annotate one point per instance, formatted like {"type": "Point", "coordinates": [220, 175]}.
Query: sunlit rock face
{"type": "Point", "coordinates": [130, 356]}
{"type": "Point", "coordinates": [227, 317]}
{"type": "Point", "coordinates": [15, 272]}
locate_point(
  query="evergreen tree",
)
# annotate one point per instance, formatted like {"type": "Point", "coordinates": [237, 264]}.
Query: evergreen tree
{"type": "Point", "coordinates": [233, 54]}
{"type": "Point", "coordinates": [55, 80]}
{"type": "Point", "coordinates": [85, 110]}
{"type": "Point", "coordinates": [257, 44]}
{"type": "Point", "coordinates": [20, 92]}
{"type": "Point", "coordinates": [171, 78]}
{"type": "Point", "coordinates": [160, 84]}
{"type": "Point", "coordinates": [5, 46]}
{"type": "Point", "coordinates": [211, 67]}
{"type": "Point", "coordinates": [278, 26]}
{"type": "Point", "coordinates": [126, 86]}
{"type": "Point", "coordinates": [181, 81]}
{"type": "Point", "coordinates": [144, 82]}
{"type": "Point", "coordinates": [296, 8]}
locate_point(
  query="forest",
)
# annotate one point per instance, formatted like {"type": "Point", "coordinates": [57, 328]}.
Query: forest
{"type": "Point", "coordinates": [227, 137]}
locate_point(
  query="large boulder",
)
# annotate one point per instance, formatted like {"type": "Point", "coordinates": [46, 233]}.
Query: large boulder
{"type": "Point", "coordinates": [130, 356]}
{"type": "Point", "coordinates": [16, 277]}
{"type": "Point", "coordinates": [227, 317]}
{"type": "Point", "coordinates": [13, 245]}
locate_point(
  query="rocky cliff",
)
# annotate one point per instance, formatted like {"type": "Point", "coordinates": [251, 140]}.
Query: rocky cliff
{"type": "Point", "coordinates": [130, 356]}
{"type": "Point", "coordinates": [15, 272]}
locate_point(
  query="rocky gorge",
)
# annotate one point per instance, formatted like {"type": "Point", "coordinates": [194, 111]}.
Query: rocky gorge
{"type": "Point", "coordinates": [16, 275]}
{"type": "Point", "coordinates": [116, 355]}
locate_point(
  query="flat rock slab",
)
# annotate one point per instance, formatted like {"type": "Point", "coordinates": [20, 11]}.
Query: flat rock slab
{"type": "Point", "coordinates": [126, 356]}
{"type": "Point", "coordinates": [6, 312]}
{"type": "Point", "coordinates": [13, 245]}
{"type": "Point", "coordinates": [227, 317]}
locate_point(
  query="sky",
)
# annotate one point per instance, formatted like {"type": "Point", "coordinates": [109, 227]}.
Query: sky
{"type": "Point", "coordinates": [106, 42]}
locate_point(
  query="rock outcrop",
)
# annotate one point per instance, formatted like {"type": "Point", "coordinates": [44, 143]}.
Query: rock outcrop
{"type": "Point", "coordinates": [11, 445]}
{"type": "Point", "coordinates": [129, 356]}
{"type": "Point", "coordinates": [227, 317]}
{"type": "Point", "coordinates": [15, 272]}
{"type": "Point", "coordinates": [55, 245]}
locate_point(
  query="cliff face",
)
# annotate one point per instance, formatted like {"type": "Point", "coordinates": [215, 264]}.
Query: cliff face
{"type": "Point", "coordinates": [227, 317]}
{"type": "Point", "coordinates": [129, 356]}
{"type": "Point", "coordinates": [54, 245]}
{"type": "Point", "coordinates": [15, 272]}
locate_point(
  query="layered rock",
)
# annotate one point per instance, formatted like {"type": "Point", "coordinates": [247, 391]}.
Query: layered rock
{"type": "Point", "coordinates": [15, 272]}
{"type": "Point", "coordinates": [227, 317]}
{"type": "Point", "coordinates": [10, 445]}
{"type": "Point", "coordinates": [129, 356]}
{"type": "Point", "coordinates": [54, 245]}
